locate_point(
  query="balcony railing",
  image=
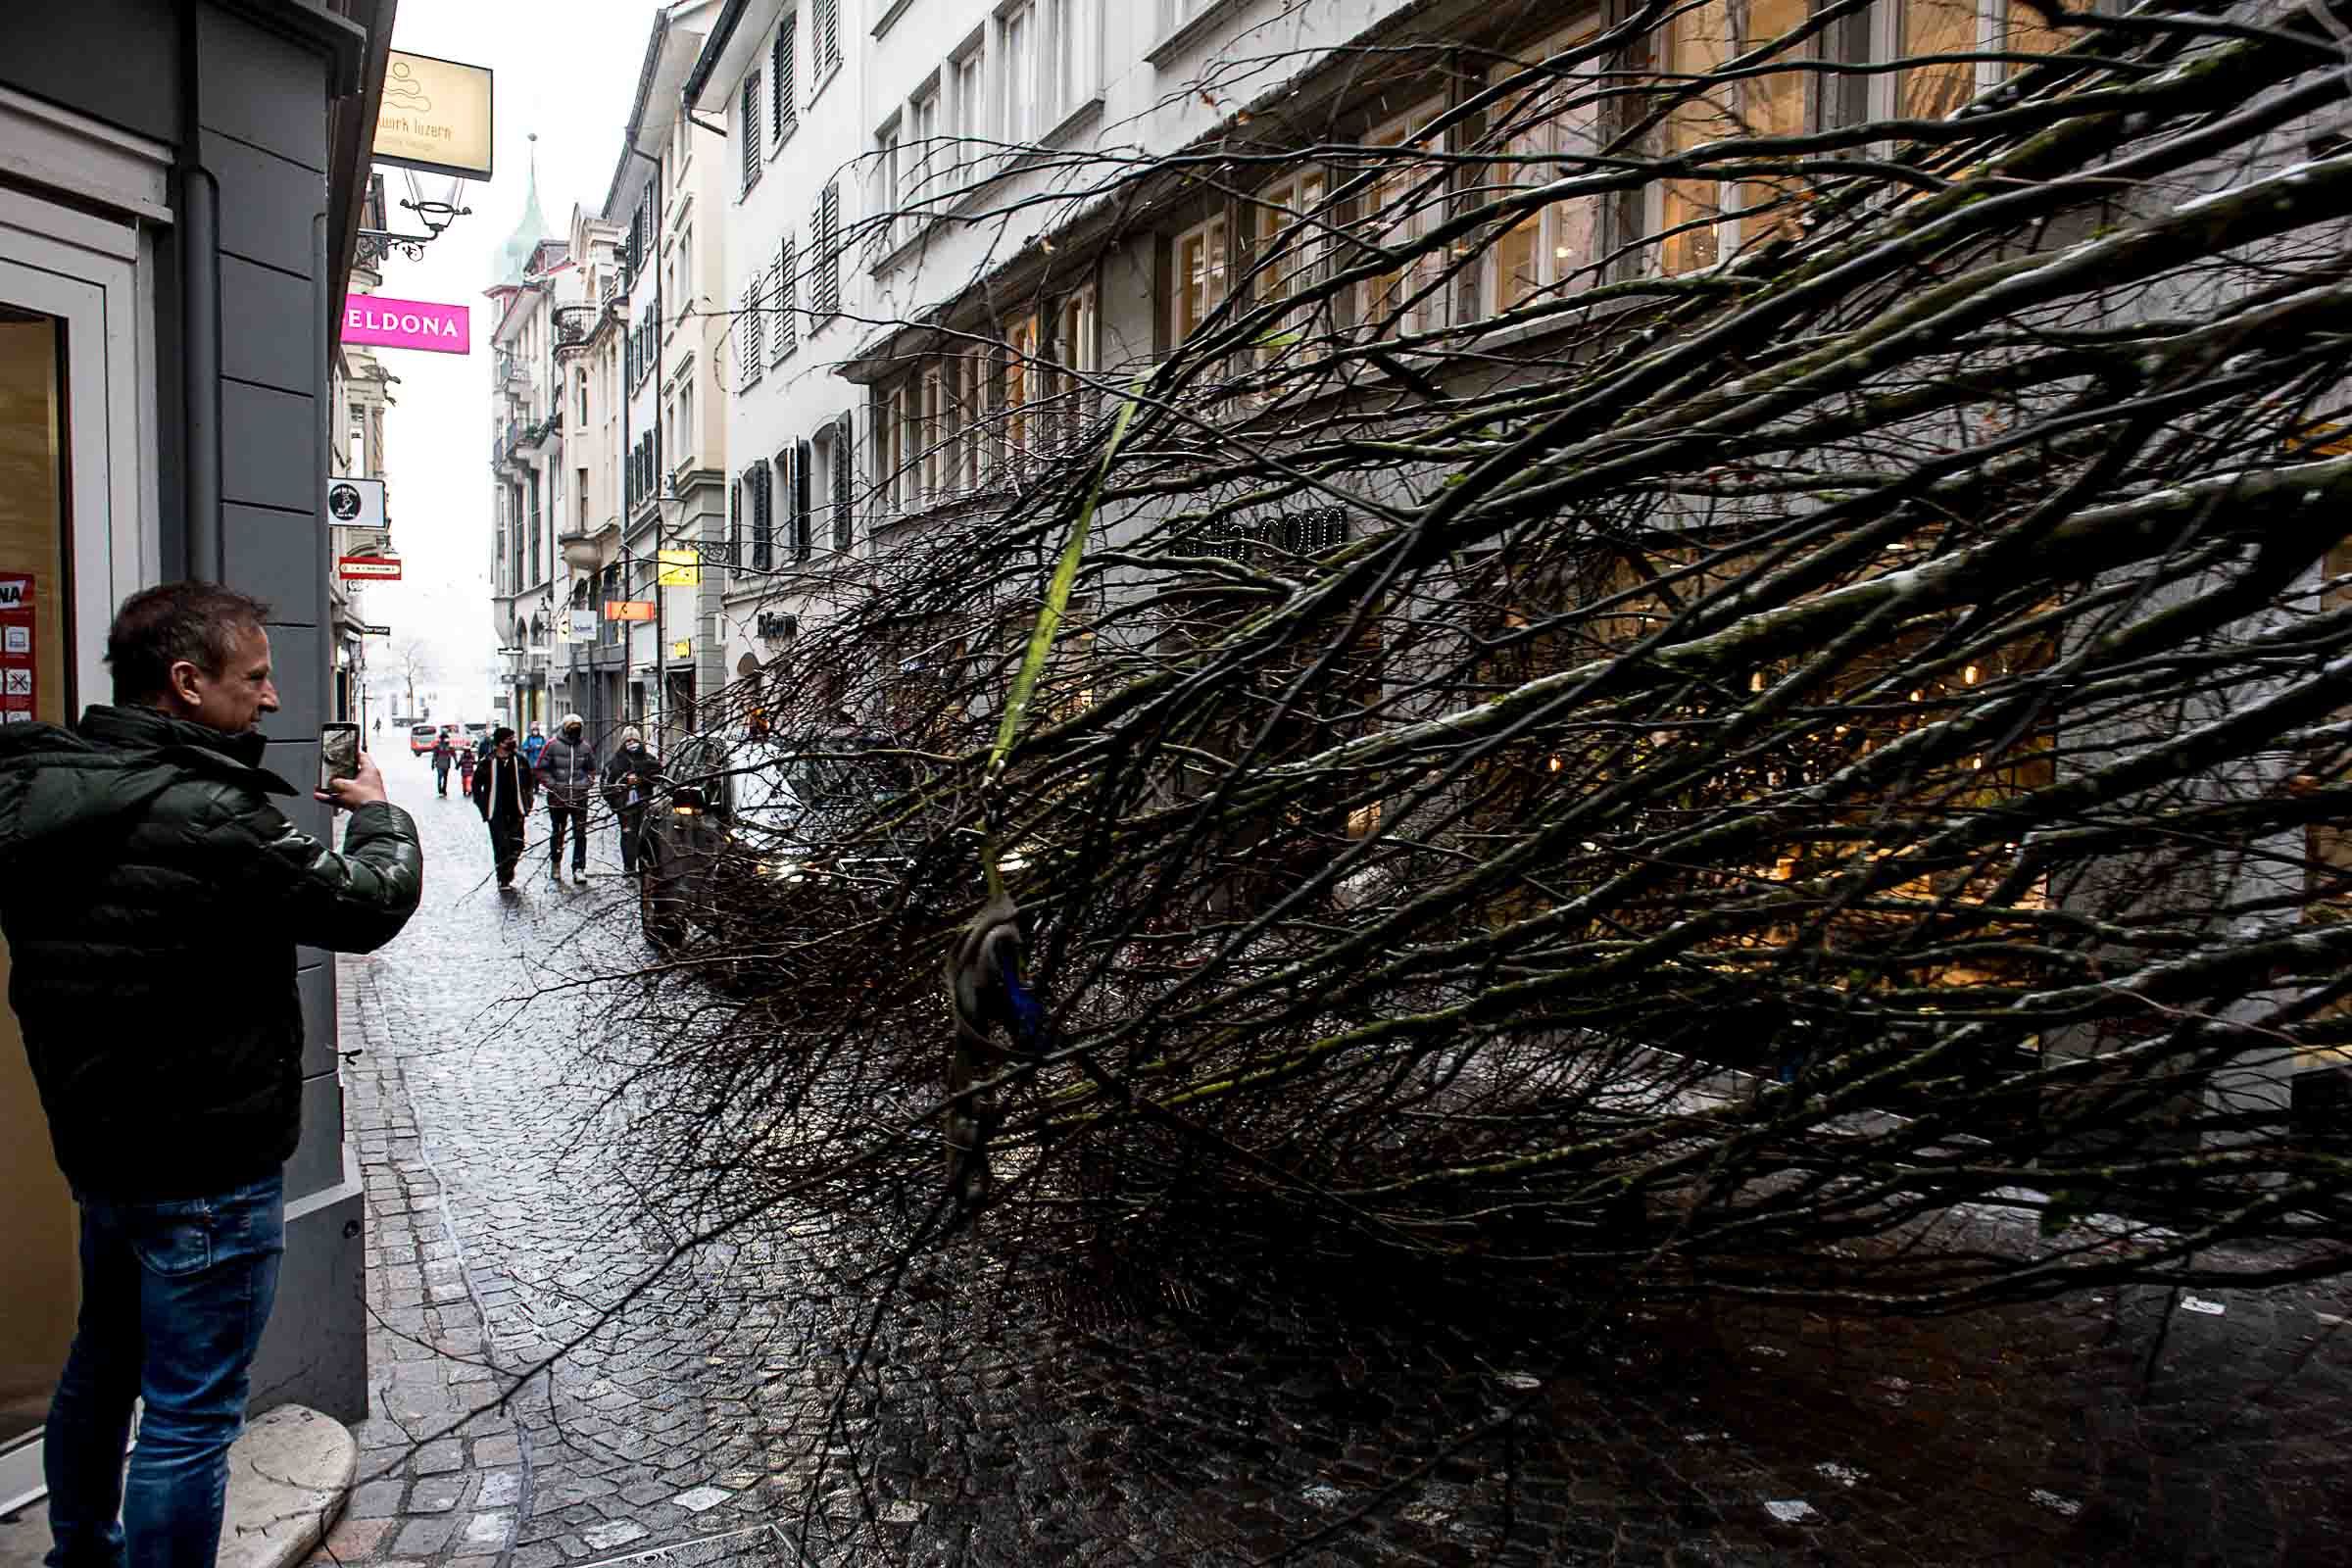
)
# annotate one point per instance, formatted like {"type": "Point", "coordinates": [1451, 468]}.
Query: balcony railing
{"type": "Point", "coordinates": [574, 324]}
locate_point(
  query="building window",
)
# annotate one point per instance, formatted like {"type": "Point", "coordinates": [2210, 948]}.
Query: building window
{"type": "Point", "coordinates": [787, 113]}
{"type": "Point", "coordinates": [686, 434]}
{"type": "Point", "coordinates": [1695, 220]}
{"type": "Point", "coordinates": [1544, 249]}
{"type": "Point", "coordinates": [1074, 353]}
{"type": "Point", "coordinates": [967, 107]}
{"type": "Point", "coordinates": [1292, 243]}
{"type": "Point", "coordinates": [934, 435]}
{"type": "Point", "coordinates": [923, 155]}
{"type": "Point", "coordinates": [824, 288]}
{"type": "Point", "coordinates": [746, 129]}
{"type": "Point", "coordinates": [580, 398]}
{"type": "Point", "coordinates": [536, 572]}
{"type": "Point", "coordinates": [1201, 276]}
{"type": "Point", "coordinates": [894, 448]}
{"type": "Point", "coordinates": [1067, 78]}
{"type": "Point", "coordinates": [1024, 376]}
{"type": "Point", "coordinates": [890, 190]}
{"type": "Point", "coordinates": [1405, 205]}
{"type": "Point", "coordinates": [1016, 74]}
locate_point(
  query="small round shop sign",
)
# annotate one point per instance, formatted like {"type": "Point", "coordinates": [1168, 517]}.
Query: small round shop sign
{"type": "Point", "coordinates": [343, 502]}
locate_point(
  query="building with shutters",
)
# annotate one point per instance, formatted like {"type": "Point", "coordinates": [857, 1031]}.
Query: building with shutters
{"type": "Point", "coordinates": [789, 77]}
{"type": "Point", "coordinates": [526, 462]}
{"type": "Point", "coordinates": [669, 189]}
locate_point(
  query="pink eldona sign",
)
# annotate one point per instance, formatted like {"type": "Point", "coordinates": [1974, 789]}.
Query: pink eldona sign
{"type": "Point", "coordinates": [380, 322]}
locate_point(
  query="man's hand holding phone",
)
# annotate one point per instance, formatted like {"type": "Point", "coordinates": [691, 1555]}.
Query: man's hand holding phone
{"type": "Point", "coordinates": [364, 788]}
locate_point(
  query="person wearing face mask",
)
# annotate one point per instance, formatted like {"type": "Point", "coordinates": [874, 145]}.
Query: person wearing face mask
{"type": "Point", "coordinates": [567, 773]}
{"type": "Point", "coordinates": [503, 789]}
{"type": "Point", "coordinates": [628, 783]}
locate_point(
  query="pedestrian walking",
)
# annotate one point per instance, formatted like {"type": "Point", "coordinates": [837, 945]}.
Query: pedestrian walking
{"type": "Point", "coordinates": [567, 771]}
{"type": "Point", "coordinates": [533, 745]}
{"type": "Point", "coordinates": [503, 790]}
{"type": "Point", "coordinates": [445, 756]}
{"type": "Point", "coordinates": [153, 907]}
{"type": "Point", "coordinates": [465, 767]}
{"type": "Point", "coordinates": [628, 782]}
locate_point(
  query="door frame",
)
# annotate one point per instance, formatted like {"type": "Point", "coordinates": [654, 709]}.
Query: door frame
{"type": "Point", "coordinates": [95, 274]}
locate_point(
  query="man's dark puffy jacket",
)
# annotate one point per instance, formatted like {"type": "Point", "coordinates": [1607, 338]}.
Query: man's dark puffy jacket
{"type": "Point", "coordinates": [567, 771]}
{"type": "Point", "coordinates": [152, 903]}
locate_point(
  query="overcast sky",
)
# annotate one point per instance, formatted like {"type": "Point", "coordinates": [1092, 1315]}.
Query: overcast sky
{"type": "Point", "coordinates": [566, 73]}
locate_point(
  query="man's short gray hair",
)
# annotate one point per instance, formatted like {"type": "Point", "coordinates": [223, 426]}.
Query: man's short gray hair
{"type": "Point", "coordinates": [199, 622]}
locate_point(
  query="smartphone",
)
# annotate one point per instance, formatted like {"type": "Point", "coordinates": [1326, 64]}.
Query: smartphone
{"type": "Point", "coordinates": [338, 752]}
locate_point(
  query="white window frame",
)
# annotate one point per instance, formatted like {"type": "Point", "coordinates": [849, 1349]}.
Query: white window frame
{"type": "Point", "coordinates": [1017, 110]}
{"type": "Point", "coordinates": [1435, 310]}
{"type": "Point", "coordinates": [965, 91]}
{"type": "Point", "coordinates": [1188, 305]}
{"type": "Point", "coordinates": [1285, 207]}
{"type": "Point", "coordinates": [1555, 227]}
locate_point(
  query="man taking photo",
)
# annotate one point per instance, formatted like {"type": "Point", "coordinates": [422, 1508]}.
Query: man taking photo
{"type": "Point", "coordinates": [152, 904]}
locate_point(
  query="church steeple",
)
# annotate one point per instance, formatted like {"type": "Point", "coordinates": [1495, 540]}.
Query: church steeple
{"type": "Point", "coordinates": [515, 254]}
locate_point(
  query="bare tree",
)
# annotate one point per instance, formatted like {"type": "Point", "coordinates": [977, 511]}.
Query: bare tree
{"type": "Point", "coordinates": [411, 661]}
{"type": "Point", "coordinates": [1651, 690]}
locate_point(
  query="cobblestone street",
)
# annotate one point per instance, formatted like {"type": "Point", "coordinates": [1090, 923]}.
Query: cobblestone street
{"type": "Point", "coordinates": [1229, 1426]}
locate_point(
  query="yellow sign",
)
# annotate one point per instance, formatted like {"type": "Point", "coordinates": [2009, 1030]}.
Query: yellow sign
{"type": "Point", "coordinates": [435, 115]}
{"type": "Point", "coordinates": [682, 649]}
{"type": "Point", "coordinates": [681, 568]}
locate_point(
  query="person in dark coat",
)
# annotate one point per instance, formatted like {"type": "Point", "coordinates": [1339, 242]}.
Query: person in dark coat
{"type": "Point", "coordinates": [445, 755]}
{"type": "Point", "coordinates": [628, 784]}
{"type": "Point", "coordinates": [567, 768]}
{"type": "Point", "coordinates": [465, 767]}
{"type": "Point", "coordinates": [504, 788]}
{"type": "Point", "coordinates": [153, 904]}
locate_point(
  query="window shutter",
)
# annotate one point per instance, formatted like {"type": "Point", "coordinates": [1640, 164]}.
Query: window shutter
{"type": "Point", "coordinates": [735, 522]}
{"type": "Point", "coordinates": [828, 253]}
{"type": "Point", "coordinates": [780, 70]}
{"type": "Point", "coordinates": [845, 458]}
{"type": "Point", "coordinates": [748, 125]}
{"type": "Point", "coordinates": [802, 544]}
{"type": "Point", "coordinates": [787, 330]}
{"type": "Point", "coordinates": [828, 34]}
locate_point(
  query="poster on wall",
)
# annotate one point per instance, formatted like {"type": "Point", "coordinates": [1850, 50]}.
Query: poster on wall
{"type": "Point", "coordinates": [17, 667]}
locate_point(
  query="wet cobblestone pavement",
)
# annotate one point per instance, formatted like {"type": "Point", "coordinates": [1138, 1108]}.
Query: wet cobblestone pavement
{"type": "Point", "coordinates": [1230, 1427]}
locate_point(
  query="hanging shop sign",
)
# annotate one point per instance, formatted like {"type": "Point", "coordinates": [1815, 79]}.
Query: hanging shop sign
{"type": "Point", "coordinates": [376, 321]}
{"type": "Point", "coordinates": [683, 648]}
{"type": "Point", "coordinates": [366, 568]}
{"type": "Point", "coordinates": [435, 115]}
{"type": "Point", "coordinates": [681, 568]}
{"type": "Point", "coordinates": [356, 503]}
{"type": "Point", "coordinates": [775, 627]}
{"type": "Point", "coordinates": [583, 625]}
{"type": "Point", "coordinates": [366, 630]}
{"type": "Point", "coordinates": [18, 683]}
{"type": "Point", "coordinates": [628, 609]}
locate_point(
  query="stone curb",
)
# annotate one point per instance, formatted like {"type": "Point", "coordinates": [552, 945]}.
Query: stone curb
{"type": "Point", "coordinates": [288, 1476]}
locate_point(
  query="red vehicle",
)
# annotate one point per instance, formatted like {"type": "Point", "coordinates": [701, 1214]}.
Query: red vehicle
{"type": "Point", "coordinates": [422, 739]}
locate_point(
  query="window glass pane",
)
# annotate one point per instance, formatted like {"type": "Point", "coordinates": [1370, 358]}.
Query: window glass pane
{"type": "Point", "coordinates": [1938, 28]}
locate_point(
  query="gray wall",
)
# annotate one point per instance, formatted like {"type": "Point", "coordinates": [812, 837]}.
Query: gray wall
{"type": "Point", "coordinates": [262, 98]}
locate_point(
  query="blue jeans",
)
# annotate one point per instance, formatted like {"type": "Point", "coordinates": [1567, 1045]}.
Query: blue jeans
{"type": "Point", "coordinates": [173, 1298]}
